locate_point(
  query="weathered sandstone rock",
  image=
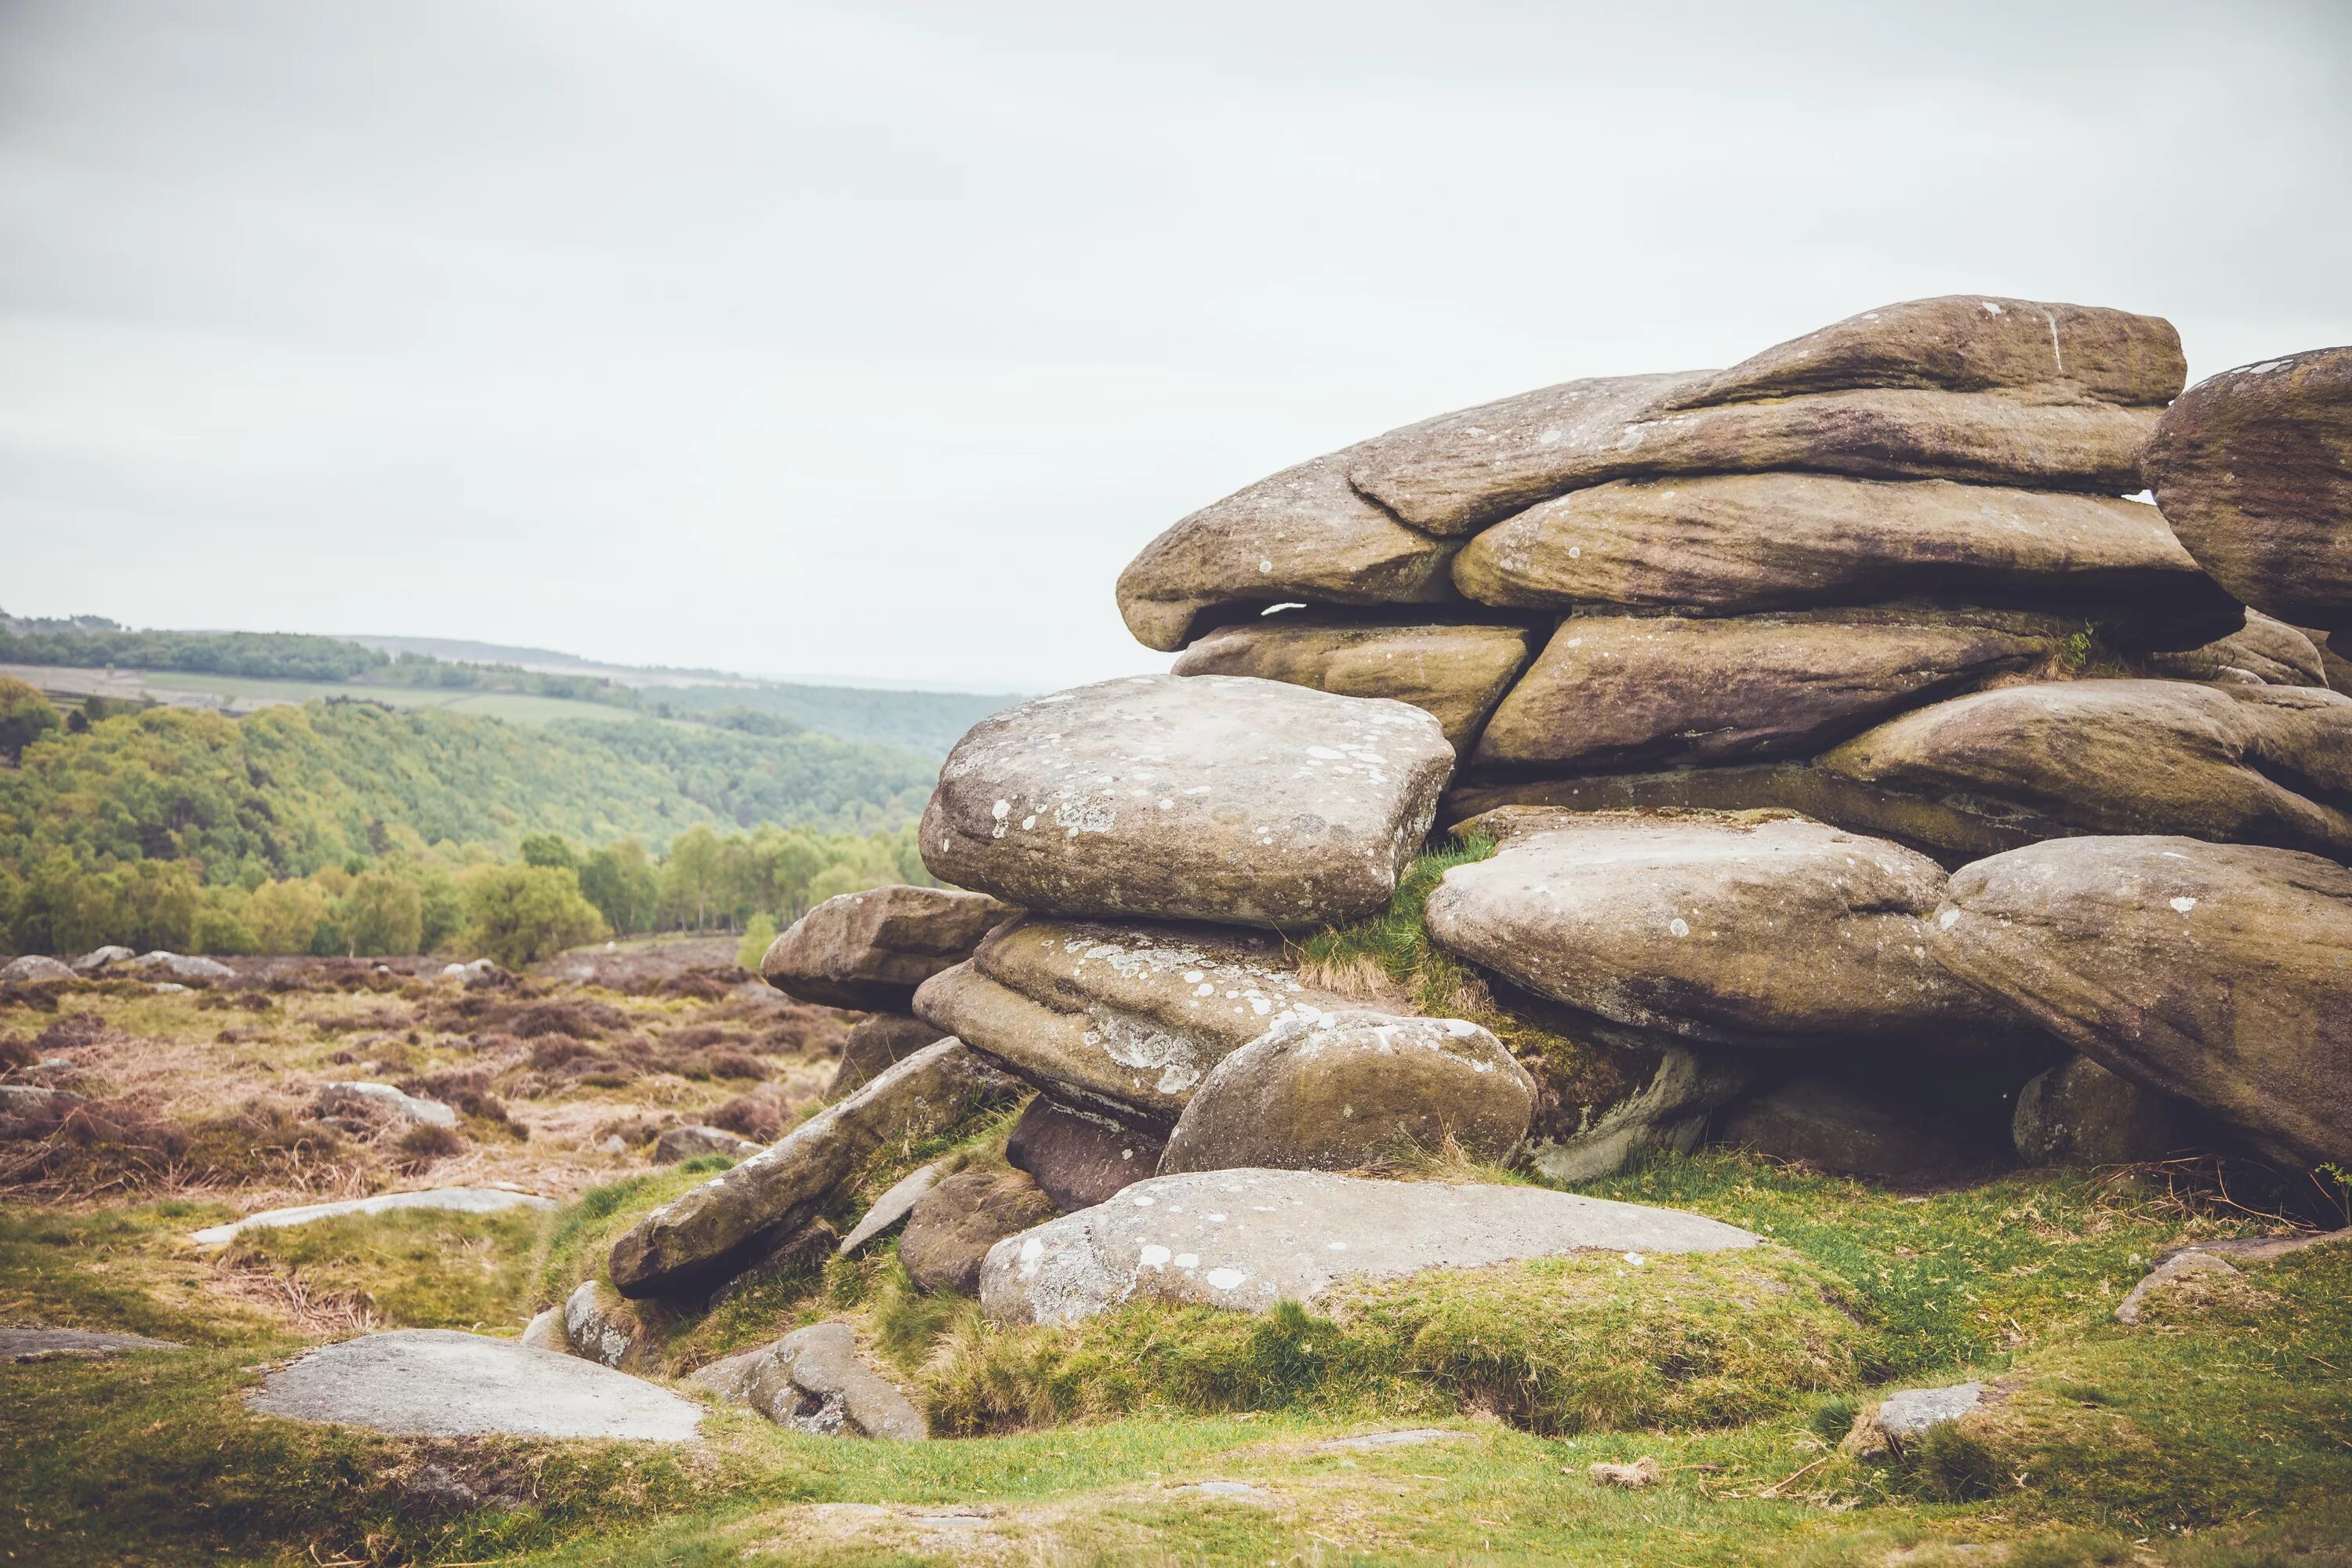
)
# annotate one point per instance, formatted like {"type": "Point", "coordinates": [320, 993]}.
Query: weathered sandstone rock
{"type": "Point", "coordinates": [599, 1326]}
{"type": "Point", "coordinates": [1247, 1239]}
{"type": "Point", "coordinates": [2261, 652]}
{"type": "Point", "coordinates": [1834, 1125]}
{"type": "Point", "coordinates": [872, 1045]}
{"type": "Point", "coordinates": [2253, 470]}
{"type": "Point", "coordinates": [2259, 764]}
{"type": "Point", "coordinates": [891, 1208]}
{"type": "Point", "coordinates": [1758, 929]}
{"type": "Point", "coordinates": [814, 1380]}
{"type": "Point", "coordinates": [1455, 673]}
{"type": "Point", "coordinates": [34, 969]}
{"type": "Point", "coordinates": [1341, 1089]}
{"type": "Point", "coordinates": [688, 1143]}
{"type": "Point", "coordinates": [954, 1225]}
{"type": "Point", "coordinates": [1617, 691]}
{"type": "Point", "coordinates": [2079, 1114]}
{"type": "Point", "coordinates": [1079, 1158]}
{"type": "Point", "coordinates": [1123, 1019]}
{"type": "Point", "coordinates": [2218, 973]}
{"type": "Point", "coordinates": [1969, 342]}
{"type": "Point", "coordinates": [1202, 798]}
{"type": "Point", "coordinates": [1301, 534]}
{"type": "Point", "coordinates": [1736, 543]}
{"type": "Point", "coordinates": [697, 1237]}
{"type": "Point", "coordinates": [434, 1382]}
{"type": "Point", "coordinates": [870, 950]}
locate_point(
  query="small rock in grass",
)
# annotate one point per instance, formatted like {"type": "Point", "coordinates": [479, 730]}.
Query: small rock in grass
{"type": "Point", "coordinates": [44, 1344]}
{"type": "Point", "coordinates": [813, 1379]}
{"type": "Point", "coordinates": [33, 969]}
{"type": "Point", "coordinates": [457, 1200]}
{"type": "Point", "coordinates": [601, 1327]}
{"type": "Point", "coordinates": [1641, 1472]}
{"type": "Point", "coordinates": [336, 1099]}
{"type": "Point", "coordinates": [687, 1142]}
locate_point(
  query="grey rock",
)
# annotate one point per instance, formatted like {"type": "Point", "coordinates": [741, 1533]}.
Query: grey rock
{"type": "Point", "coordinates": [336, 1098]}
{"type": "Point", "coordinates": [1343, 1090]}
{"type": "Point", "coordinates": [99, 958]}
{"type": "Point", "coordinates": [870, 950]}
{"type": "Point", "coordinates": [679, 1143]}
{"type": "Point", "coordinates": [2262, 652]}
{"type": "Point", "coordinates": [545, 1332]}
{"type": "Point", "coordinates": [1079, 1158]}
{"type": "Point", "coordinates": [46, 1345]}
{"type": "Point", "coordinates": [954, 1225]}
{"type": "Point", "coordinates": [26, 1098]}
{"type": "Point", "coordinates": [813, 1379]}
{"type": "Point", "coordinates": [1913, 1411]}
{"type": "Point", "coordinates": [600, 1326]}
{"type": "Point", "coordinates": [2079, 1114]}
{"type": "Point", "coordinates": [33, 969]}
{"type": "Point", "coordinates": [1301, 535]}
{"type": "Point", "coordinates": [708, 1233]}
{"type": "Point", "coordinates": [873, 1045]}
{"type": "Point", "coordinates": [1615, 691]}
{"type": "Point", "coordinates": [1203, 797]}
{"type": "Point", "coordinates": [2253, 470]}
{"type": "Point", "coordinates": [455, 1200]}
{"type": "Point", "coordinates": [1748, 929]}
{"type": "Point", "coordinates": [433, 1383]}
{"type": "Point", "coordinates": [1742, 543]}
{"type": "Point", "coordinates": [180, 966]}
{"type": "Point", "coordinates": [891, 1208]}
{"type": "Point", "coordinates": [1122, 1019]}
{"type": "Point", "coordinates": [1405, 1437]}
{"type": "Point", "coordinates": [1663, 1111]}
{"type": "Point", "coordinates": [1247, 1239]}
{"type": "Point", "coordinates": [1454, 672]}
{"type": "Point", "coordinates": [2257, 765]}
{"type": "Point", "coordinates": [2221, 974]}
{"type": "Point", "coordinates": [2180, 1265]}
{"type": "Point", "coordinates": [1831, 1124]}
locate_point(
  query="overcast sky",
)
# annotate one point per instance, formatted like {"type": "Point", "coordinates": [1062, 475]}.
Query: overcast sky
{"type": "Point", "coordinates": [872, 340]}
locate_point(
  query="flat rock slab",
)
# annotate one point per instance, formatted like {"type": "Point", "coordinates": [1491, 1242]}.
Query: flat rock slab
{"type": "Point", "coordinates": [434, 1382]}
{"type": "Point", "coordinates": [1211, 797]}
{"type": "Point", "coordinates": [44, 1344]}
{"type": "Point", "coordinates": [1454, 672]}
{"type": "Point", "coordinates": [870, 950]}
{"type": "Point", "coordinates": [1247, 1239]}
{"type": "Point", "coordinates": [457, 1200]}
{"type": "Point", "coordinates": [1410, 1437]}
{"type": "Point", "coordinates": [1911, 1413]}
{"type": "Point", "coordinates": [891, 1207]}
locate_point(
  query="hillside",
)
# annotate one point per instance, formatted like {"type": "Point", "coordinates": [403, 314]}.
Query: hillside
{"type": "Point", "coordinates": [288, 789]}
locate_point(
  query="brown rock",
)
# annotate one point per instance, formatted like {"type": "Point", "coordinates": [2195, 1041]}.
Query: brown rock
{"type": "Point", "coordinates": [1748, 929]}
{"type": "Point", "coordinates": [2218, 973]}
{"type": "Point", "coordinates": [870, 950]}
{"type": "Point", "coordinates": [955, 1224]}
{"type": "Point", "coordinates": [1121, 1019]}
{"type": "Point", "coordinates": [1969, 342]}
{"type": "Point", "coordinates": [1340, 1091]}
{"type": "Point", "coordinates": [873, 1045]}
{"type": "Point", "coordinates": [1455, 673]}
{"type": "Point", "coordinates": [1736, 544]}
{"type": "Point", "coordinates": [2261, 652]}
{"type": "Point", "coordinates": [2253, 470]}
{"type": "Point", "coordinates": [1210, 797]}
{"type": "Point", "coordinates": [1079, 1158]}
{"type": "Point", "coordinates": [1609, 692]}
{"type": "Point", "coordinates": [2079, 1114]}
{"type": "Point", "coordinates": [2259, 764]}
{"type": "Point", "coordinates": [1834, 1125]}
{"type": "Point", "coordinates": [1302, 534]}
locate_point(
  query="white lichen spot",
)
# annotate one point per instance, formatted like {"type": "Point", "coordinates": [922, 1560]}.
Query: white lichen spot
{"type": "Point", "coordinates": [2184, 905]}
{"type": "Point", "coordinates": [1635, 1258]}
{"type": "Point", "coordinates": [1154, 1257]}
{"type": "Point", "coordinates": [1187, 1260]}
{"type": "Point", "coordinates": [1948, 918]}
{"type": "Point", "coordinates": [1224, 1279]}
{"type": "Point", "coordinates": [1679, 926]}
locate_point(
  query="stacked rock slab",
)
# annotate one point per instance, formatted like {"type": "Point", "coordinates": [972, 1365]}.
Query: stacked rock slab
{"type": "Point", "coordinates": [1719, 590]}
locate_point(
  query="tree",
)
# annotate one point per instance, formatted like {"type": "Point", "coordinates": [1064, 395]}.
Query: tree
{"type": "Point", "coordinates": [381, 913]}
{"type": "Point", "coordinates": [621, 881]}
{"type": "Point", "coordinates": [550, 849]}
{"type": "Point", "coordinates": [758, 933]}
{"type": "Point", "coordinates": [288, 917]}
{"type": "Point", "coordinates": [691, 877]}
{"type": "Point", "coordinates": [441, 909]}
{"type": "Point", "coordinates": [25, 717]}
{"type": "Point", "coordinates": [521, 914]}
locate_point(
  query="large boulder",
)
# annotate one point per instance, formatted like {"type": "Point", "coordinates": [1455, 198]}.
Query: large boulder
{"type": "Point", "coordinates": [2257, 765]}
{"type": "Point", "coordinates": [2079, 1114]}
{"type": "Point", "coordinates": [1737, 543]}
{"type": "Point", "coordinates": [703, 1236]}
{"type": "Point", "coordinates": [1245, 1239]}
{"type": "Point", "coordinates": [870, 950]}
{"type": "Point", "coordinates": [1339, 1091]}
{"type": "Point", "coordinates": [34, 969]}
{"type": "Point", "coordinates": [954, 1224]}
{"type": "Point", "coordinates": [814, 1380]}
{"type": "Point", "coordinates": [1203, 797]}
{"type": "Point", "coordinates": [2218, 973]}
{"type": "Point", "coordinates": [1123, 1019]}
{"type": "Point", "coordinates": [435, 1382]}
{"type": "Point", "coordinates": [1455, 672]}
{"type": "Point", "coordinates": [1747, 928]}
{"type": "Point", "coordinates": [1301, 534]}
{"type": "Point", "coordinates": [1856, 1130]}
{"type": "Point", "coordinates": [1079, 1158]}
{"type": "Point", "coordinates": [1969, 343]}
{"type": "Point", "coordinates": [2261, 652]}
{"type": "Point", "coordinates": [1614, 691]}
{"type": "Point", "coordinates": [2253, 470]}
{"type": "Point", "coordinates": [872, 1044]}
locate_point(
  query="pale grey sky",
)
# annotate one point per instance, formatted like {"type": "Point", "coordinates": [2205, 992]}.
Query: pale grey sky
{"type": "Point", "coordinates": [872, 340]}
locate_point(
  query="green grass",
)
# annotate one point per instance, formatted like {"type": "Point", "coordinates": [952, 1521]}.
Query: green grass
{"type": "Point", "coordinates": [412, 1269]}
